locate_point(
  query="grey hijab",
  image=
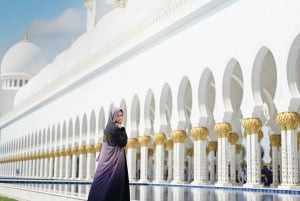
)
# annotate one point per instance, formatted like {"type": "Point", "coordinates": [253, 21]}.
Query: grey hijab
{"type": "Point", "coordinates": [111, 127]}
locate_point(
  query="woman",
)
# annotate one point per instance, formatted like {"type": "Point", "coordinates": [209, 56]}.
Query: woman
{"type": "Point", "coordinates": [111, 178]}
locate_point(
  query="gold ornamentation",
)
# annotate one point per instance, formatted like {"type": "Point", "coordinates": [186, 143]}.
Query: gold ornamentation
{"type": "Point", "coordinates": [62, 152]}
{"type": "Point", "coordinates": [179, 136]}
{"type": "Point", "coordinates": [89, 149]}
{"type": "Point", "coordinates": [68, 151]}
{"type": "Point", "coordinates": [238, 148]}
{"type": "Point", "coordinates": [275, 140]}
{"type": "Point", "coordinates": [82, 150]}
{"type": "Point", "coordinates": [288, 120]}
{"type": "Point", "coordinates": [150, 152]}
{"type": "Point", "coordinates": [170, 144]}
{"type": "Point", "coordinates": [260, 135]}
{"type": "Point", "coordinates": [97, 147]}
{"type": "Point", "coordinates": [233, 138]}
{"type": "Point", "coordinates": [199, 133]}
{"type": "Point", "coordinates": [251, 125]}
{"type": "Point", "coordinates": [132, 143]}
{"type": "Point", "coordinates": [144, 141]}
{"type": "Point", "coordinates": [223, 129]}
{"type": "Point", "coordinates": [74, 150]}
{"type": "Point", "coordinates": [212, 146]}
{"type": "Point", "coordinates": [160, 138]}
{"type": "Point", "coordinates": [190, 152]}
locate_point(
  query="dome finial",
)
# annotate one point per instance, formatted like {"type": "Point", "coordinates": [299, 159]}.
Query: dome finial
{"type": "Point", "coordinates": [25, 37]}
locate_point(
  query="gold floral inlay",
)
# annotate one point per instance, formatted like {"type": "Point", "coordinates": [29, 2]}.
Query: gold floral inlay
{"type": "Point", "coordinates": [160, 138]}
{"type": "Point", "coordinates": [179, 136]}
{"type": "Point", "coordinates": [212, 145]}
{"type": "Point", "coordinates": [144, 141]}
{"type": "Point", "coordinates": [233, 138]}
{"type": "Point", "coordinates": [251, 125]}
{"type": "Point", "coordinates": [275, 140]}
{"type": "Point", "coordinates": [169, 144]}
{"type": "Point", "coordinates": [132, 143]}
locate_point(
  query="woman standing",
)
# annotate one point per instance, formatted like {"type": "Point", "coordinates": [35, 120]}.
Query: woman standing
{"type": "Point", "coordinates": [111, 178]}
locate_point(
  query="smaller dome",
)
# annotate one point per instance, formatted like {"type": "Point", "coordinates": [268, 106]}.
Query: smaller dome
{"type": "Point", "coordinates": [24, 57]}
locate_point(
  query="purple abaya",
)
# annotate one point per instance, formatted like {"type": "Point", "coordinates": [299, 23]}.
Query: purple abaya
{"type": "Point", "coordinates": [111, 177]}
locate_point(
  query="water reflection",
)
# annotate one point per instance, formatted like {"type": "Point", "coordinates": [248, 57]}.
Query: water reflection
{"type": "Point", "coordinates": [167, 193]}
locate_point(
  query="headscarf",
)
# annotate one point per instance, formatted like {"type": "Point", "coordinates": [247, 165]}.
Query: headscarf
{"type": "Point", "coordinates": [113, 114]}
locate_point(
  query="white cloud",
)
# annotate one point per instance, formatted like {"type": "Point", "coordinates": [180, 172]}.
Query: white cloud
{"type": "Point", "coordinates": [55, 35]}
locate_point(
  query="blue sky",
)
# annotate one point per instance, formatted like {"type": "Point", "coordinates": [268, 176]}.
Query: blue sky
{"type": "Point", "coordinates": [50, 24]}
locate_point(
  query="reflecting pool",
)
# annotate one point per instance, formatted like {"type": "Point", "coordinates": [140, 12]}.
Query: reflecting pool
{"type": "Point", "coordinates": [175, 193]}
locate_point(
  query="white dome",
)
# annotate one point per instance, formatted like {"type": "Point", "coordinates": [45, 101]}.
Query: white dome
{"type": "Point", "coordinates": [24, 57]}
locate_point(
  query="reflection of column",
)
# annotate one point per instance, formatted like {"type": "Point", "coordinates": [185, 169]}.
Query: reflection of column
{"type": "Point", "coordinates": [199, 135]}
{"type": "Point", "coordinates": [233, 138]}
{"type": "Point", "coordinates": [144, 192]}
{"type": "Point", "coordinates": [159, 139]}
{"type": "Point", "coordinates": [226, 195]}
{"type": "Point", "coordinates": [250, 196]}
{"type": "Point", "coordinates": [159, 192]}
{"type": "Point", "coordinates": [131, 158]}
{"type": "Point", "coordinates": [178, 193]}
{"type": "Point", "coordinates": [275, 143]}
{"type": "Point", "coordinates": [179, 138]}
{"type": "Point", "coordinates": [288, 122]}
{"type": "Point", "coordinates": [170, 146]}
{"type": "Point", "coordinates": [134, 189]}
{"type": "Point", "coordinates": [212, 148]}
{"type": "Point", "coordinates": [200, 194]}
{"type": "Point", "coordinates": [223, 130]}
{"type": "Point", "coordinates": [144, 142]}
{"type": "Point", "coordinates": [253, 155]}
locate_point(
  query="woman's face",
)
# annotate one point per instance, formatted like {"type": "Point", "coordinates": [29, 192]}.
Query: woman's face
{"type": "Point", "coordinates": [119, 117]}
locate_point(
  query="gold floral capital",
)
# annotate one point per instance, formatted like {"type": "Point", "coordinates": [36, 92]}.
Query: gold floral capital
{"type": "Point", "coordinates": [251, 125]}
{"type": "Point", "coordinates": [82, 150]}
{"type": "Point", "coordinates": [74, 150]}
{"type": "Point", "coordinates": [238, 148]}
{"type": "Point", "coordinates": [199, 133]}
{"type": "Point", "coordinates": [179, 136]}
{"type": "Point", "coordinates": [170, 144]}
{"type": "Point", "coordinates": [89, 149]}
{"type": "Point", "coordinates": [97, 147]}
{"type": "Point", "coordinates": [275, 140]}
{"type": "Point", "coordinates": [150, 152]}
{"type": "Point", "coordinates": [223, 129]}
{"type": "Point", "coordinates": [288, 120]}
{"type": "Point", "coordinates": [260, 135]}
{"type": "Point", "coordinates": [132, 143]}
{"type": "Point", "coordinates": [190, 151]}
{"type": "Point", "coordinates": [233, 138]}
{"type": "Point", "coordinates": [160, 138]}
{"type": "Point", "coordinates": [212, 146]}
{"type": "Point", "coordinates": [144, 141]}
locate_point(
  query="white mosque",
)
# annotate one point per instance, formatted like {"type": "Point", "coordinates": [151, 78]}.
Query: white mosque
{"type": "Point", "coordinates": [209, 87]}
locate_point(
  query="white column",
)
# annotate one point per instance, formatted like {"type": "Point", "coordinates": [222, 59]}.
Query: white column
{"type": "Point", "coordinates": [190, 164]}
{"type": "Point", "coordinates": [90, 168]}
{"type": "Point", "coordinates": [253, 136]}
{"type": "Point", "coordinates": [275, 143]}
{"type": "Point", "coordinates": [288, 122]}
{"type": "Point", "coordinates": [212, 148]}
{"type": "Point", "coordinates": [68, 168]}
{"type": "Point", "coordinates": [233, 138]}
{"type": "Point", "coordinates": [170, 147]}
{"type": "Point", "coordinates": [74, 151]}
{"type": "Point", "coordinates": [179, 137]}
{"type": "Point", "coordinates": [159, 139]}
{"type": "Point", "coordinates": [223, 130]}
{"type": "Point", "coordinates": [131, 158]}
{"type": "Point", "coordinates": [199, 135]}
{"type": "Point", "coordinates": [82, 168]}
{"type": "Point", "coordinates": [144, 142]}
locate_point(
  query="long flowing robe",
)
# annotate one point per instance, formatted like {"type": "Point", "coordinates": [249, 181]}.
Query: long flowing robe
{"type": "Point", "coordinates": [111, 181]}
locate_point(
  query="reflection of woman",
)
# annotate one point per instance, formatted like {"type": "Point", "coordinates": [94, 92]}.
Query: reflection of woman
{"type": "Point", "coordinates": [111, 178]}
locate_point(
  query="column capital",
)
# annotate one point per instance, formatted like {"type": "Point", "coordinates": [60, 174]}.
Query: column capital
{"type": "Point", "coordinates": [74, 150]}
{"type": "Point", "coordinates": [144, 140]}
{"type": "Point", "coordinates": [170, 144]}
{"type": "Point", "coordinates": [288, 120]}
{"type": "Point", "coordinates": [223, 129]}
{"type": "Point", "coordinates": [97, 147]}
{"type": "Point", "coordinates": [212, 145]}
{"type": "Point", "coordinates": [251, 125]}
{"type": "Point", "coordinates": [275, 140]}
{"type": "Point", "coordinates": [160, 138]}
{"type": "Point", "coordinates": [89, 149]}
{"type": "Point", "coordinates": [190, 151]}
{"type": "Point", "coordinates": [233, 138]}
{"type": "Point", "coordinates": [82, 150]}
{"type": "Point", "coordinates": [132, 143]}
{"type": "Point", "coordinates": [179, 136]}
{"type": "Point", "coordinates": [150, 152]}
{"type": "Point", "coordinates": [238, 148]}
{"type": "Point", "coordinates": [199, 133]}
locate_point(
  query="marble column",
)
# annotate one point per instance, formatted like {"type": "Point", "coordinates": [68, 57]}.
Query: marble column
{"type": "Point", "coordinates": [82, 167]}
{"type": "Point", "coordinates": [144, 141]}
{"type": "Point", "coordinates": [131, 158]}
{"type": "Point", "coordinates": [90, 162]}
{"type": "Point", "coordinates": [62, 166]}
{"type": "Point", "coordinates": [212, 149]}
{"type": "Point", "coordinates": [275, 143]}
{"type": "Point", "coordinates": [150, 164]}
{"type": "Point", "coordinates": [97, 149]}
{"type": "Point", "coordinates": [288, 122]}
{"type": "Point", "coordinates": [74, 152]}
{"type": "Point", "coordinates": [179, 137]}
{"type": "Point", "coordinates": [253, 154]}
{"type": "Point", "coordinates": [233, 138]}
{"type": "Point", "coordinates": [190, 164]}
{"type": "Point", "coordinates": [68, 168]}
{"type": "Point", "coordinates": [239, 162]}
{"type": "Point", "coordinates": [170, 147]}
{"type": "Point", "coordinates": [159, 139]}
{"type": "Point", "coordinates": [199, 135]}
{"type": "Point", "coordinates": [223, 130]}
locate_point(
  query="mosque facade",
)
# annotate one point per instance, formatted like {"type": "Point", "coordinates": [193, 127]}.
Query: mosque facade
{"type": "Point", "coordinates": [208, 88]}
